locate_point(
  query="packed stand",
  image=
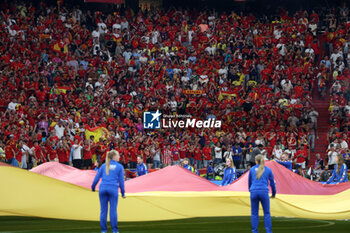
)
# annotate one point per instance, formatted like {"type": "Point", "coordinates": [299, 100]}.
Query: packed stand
{"type": "Point", "coordinates": [65, 71]}
{"type": "Point", "coordinates": [336, 67]}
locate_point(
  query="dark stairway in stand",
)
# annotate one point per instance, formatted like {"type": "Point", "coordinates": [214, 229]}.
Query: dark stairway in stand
{"type": "Point", "coordinates": [323, 123]}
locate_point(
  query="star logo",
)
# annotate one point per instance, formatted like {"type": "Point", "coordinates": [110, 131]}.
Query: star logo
{"type": "Point", "coordinates": [151, 120]}
{"type": "Point", "coordinates": [155, 115]}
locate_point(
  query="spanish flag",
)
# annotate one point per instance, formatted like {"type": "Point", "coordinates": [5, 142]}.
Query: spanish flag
{"type": "Point", "coordinates": [64, 89]}
{"type": "Point", "coordinates": [60, 47]}
{"type": "Point", "coordinates": [226, 93]}
{"type": "Point", "coordinates": [97, 132]}
{"type": "Point", "coordinates": [45, 36]}
{"type": "Point", "coordinates": [137, 111]}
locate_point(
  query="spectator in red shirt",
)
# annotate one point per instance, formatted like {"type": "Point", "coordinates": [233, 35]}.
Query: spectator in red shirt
{"type": "Point", "coordinates": [207, 154]}
{"type": "Point", "coordinates": [176, 154]}
{"type": "Point", "coordinates": [198, 156]}
{"type": "Point", "coordinates": [62, 152]}
{"type": "Point", "coordinates": [88, 154]}
{"type": "Point", "coordinates": [132, 154]}
{"type": "Point", "coordinates": [300, 158]}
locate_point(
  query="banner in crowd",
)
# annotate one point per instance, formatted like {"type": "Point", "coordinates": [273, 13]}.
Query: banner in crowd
{"type": "Point", "coordinates": [193, 92]}
{"type": "Point", "coordinates": [97, 132]}
{"type": "Point", "coordinates": [226, 93]}
{"type": "Point", "coordinates": [106, 1]}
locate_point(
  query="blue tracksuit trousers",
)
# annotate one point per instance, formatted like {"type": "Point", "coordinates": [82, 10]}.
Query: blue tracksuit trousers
{"type": "Point", "coordinates": [255, 198]}
{"type": "Point", "coordinates": [109, 194]}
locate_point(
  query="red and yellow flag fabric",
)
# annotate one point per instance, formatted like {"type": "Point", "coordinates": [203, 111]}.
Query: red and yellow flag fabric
{"type": "Point", "coordinates": [97, 132]}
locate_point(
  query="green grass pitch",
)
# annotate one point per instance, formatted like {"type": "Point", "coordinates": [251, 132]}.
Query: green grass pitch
{"type": "Point", "coordinates": [217, 225]}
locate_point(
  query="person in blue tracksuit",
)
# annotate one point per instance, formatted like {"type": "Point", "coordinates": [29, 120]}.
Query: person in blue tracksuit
{"type": "Point", "coordinates": [141, 167]}
{"type": "Point", "coordinates": [259, 179]}
{"type": "Point", "coordinates": [210, 171]}
{"type": "Point", "coordinates": [187, 165]}
{"type": "Point", "coordinates": [230, 173]}
{"type": "Point", "coordinates": [284, 161]}
{"type": "Point", "coordinates": [340, 171]}
{"type": "Point", "coordinates": [112, 174]}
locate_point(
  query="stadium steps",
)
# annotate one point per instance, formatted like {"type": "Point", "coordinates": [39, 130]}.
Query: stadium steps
{"type": "Point", "coordinates": [323, 123]}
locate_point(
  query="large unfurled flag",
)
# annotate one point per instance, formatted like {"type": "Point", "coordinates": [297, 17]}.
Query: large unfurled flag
{"type": "Point", "coordinates": [106, 1]}
{"type": "Point", "coordinates": [97, 132]}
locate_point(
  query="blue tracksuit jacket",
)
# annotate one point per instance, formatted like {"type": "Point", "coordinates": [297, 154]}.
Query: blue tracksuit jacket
{"type": "Point", "coordinates": [142, 169]}
{"type": "Point", "coordinates": [229, 176]}
{"type": "Point", "coordinates": [108, 192]}
{"type": "Point", "coordinates": [259, 192]}
{"type": "Point", "coordinates": [189, 167]}
{"type": "Point", "coordinates": [342, 176]}
{"type": "Point", "coordinates": [286, 164]}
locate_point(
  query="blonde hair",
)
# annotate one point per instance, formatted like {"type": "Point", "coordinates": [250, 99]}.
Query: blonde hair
{"type": "Point", "coordinates": [232, 165]}
{"type": "Point", "coordinates": [109, 157]}
{"type": "Point", "coordinates": [340, 162]}
{"type": "Point", "coordinates": [259, 159]}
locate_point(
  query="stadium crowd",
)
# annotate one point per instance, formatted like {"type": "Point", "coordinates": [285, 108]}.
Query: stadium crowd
{"type": "Point", "coordinates": [338, 70]}
{"type": "Point", "coordinates": [68, 70]}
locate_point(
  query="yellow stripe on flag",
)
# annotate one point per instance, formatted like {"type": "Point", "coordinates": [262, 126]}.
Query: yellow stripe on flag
{"type": "Point", "coordinates": [151, 206]}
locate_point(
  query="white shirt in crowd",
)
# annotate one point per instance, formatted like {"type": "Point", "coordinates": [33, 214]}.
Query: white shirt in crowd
{"type": "Point", "coordinates": [347, 108]}
{"type": "Point", "coordinates": [143, 59]}
{"type": "Point", "coordinates": [309, 51]}
{"type": "Point", "coordinates": [228, 154]}
{"type": "Point", "coordinates": [299, 43]}
{"type": "Point", "coordinates": [203, 78]}
{"type": "Point", "coordinates": [173, 105]}
{"type": "Point", "coordinates": [313, 115]}
{"type": "Point", "coordinates": [125, 25]}
{"type": "Point", "coordinates": [331, 157]}
{"type": "Point", "coordinates": [336, 87]}
{"type": "Point", "coordinates": [223, 71]}
{"type": "Point", "coordinates": [344, 145]}
{"type": "Point", "coordinates": [218, 152]}
{"type": "Point", "coordinates": [282, 49]}
{"type": "Point", "coordinates": [156, 154]}
{"type": "Point", "coordinates": [277, 33]}
{"type": "Point", "coordinates": [25, 148]}
{"type": "Point", "coordinates": [117, 26]}
{"type": "Point", "coordinates": [12, 106]}
{"type": "Point", "coordinates": [77, 151]}
{"type": "Point", "coordinates": [290, 153]}
{"type": "Point", "coordinates": [277, 152]}
{"type": "Point", "coordinates": [335, 56]}
{"type": "Point", "coordinates": [59, 131]}
{"type": "Point", "coordinates": [185, 79]}
{"type": "Point", "coordinates": [95, 34]}
{"type": "Point", "coordinates": [190, 35]}
{"type": "Point", "coordinates": [102, 27]}
{"type": "Point", "coordinates": [155, 36]}
{"type": "Point", "coordinates": [24, 151]}
{"type": "Point", "coordinates": [313, 28]}
{"type": "Point", "coordinates": [210, 50]}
